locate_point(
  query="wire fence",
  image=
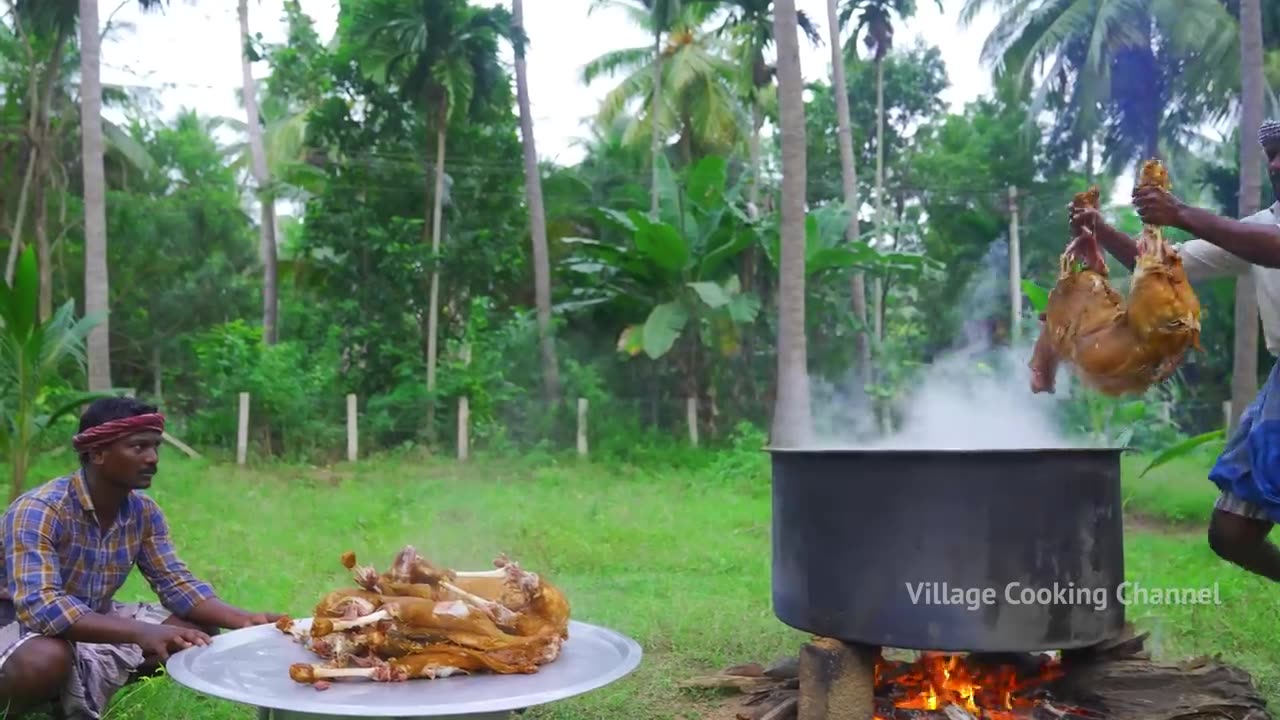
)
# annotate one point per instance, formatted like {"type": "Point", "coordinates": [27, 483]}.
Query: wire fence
{"type": "Point", "coordinates": [348, 429]}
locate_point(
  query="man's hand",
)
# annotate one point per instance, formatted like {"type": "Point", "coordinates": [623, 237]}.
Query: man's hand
{"type": "Point", "coordinates": [157, 641]}
{"type": "Point", "coordinates": [1158, 207]}
{"type": "Point", "coordinates": [254, 619]}
{"type": "Point", "coordinates": [1085, 219]}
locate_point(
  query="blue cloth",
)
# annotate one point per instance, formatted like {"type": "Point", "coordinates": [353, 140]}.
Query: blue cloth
{"type": "Point", "coordinates": [1249, 467]}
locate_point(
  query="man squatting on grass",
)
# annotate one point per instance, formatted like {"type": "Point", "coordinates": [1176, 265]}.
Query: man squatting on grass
{"type": "Point", "coordinates": [68, 546]}
{"type": "Point", "coordinates": [1248, 471]}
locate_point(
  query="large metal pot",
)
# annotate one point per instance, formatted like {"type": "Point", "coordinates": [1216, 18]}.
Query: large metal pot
{"type": "Point", "coordinates": [954, 550]}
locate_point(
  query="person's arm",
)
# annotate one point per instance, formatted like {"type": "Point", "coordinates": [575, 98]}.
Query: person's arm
{"type": "Point", "coordinates": [178, 589]}
{"type": "Point", "coordinates": [1257, 243]}
{"type": "Point", "coordinates": [1121, 246]}
{"type": "Point", "coordinates": [1202, 260]}
{"type": "Point", "coordinates": [35, 582]}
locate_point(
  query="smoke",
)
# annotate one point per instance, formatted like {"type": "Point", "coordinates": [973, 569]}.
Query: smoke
{"type": "Point", "coordinates": [976, 396]}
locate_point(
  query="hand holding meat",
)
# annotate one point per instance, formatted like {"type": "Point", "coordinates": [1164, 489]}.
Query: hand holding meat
{"type": "Point", "coordinates": [417, 620]}
{"type": "Point", "coordinates": [1118, 347]}
{"type": "Point", "coordinates": [1157, 206]}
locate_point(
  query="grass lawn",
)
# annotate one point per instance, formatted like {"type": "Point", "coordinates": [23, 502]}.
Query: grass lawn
{"type": "Point", "coordinates": [676, 558]}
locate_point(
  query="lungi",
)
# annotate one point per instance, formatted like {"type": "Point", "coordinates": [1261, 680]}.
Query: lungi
{"type": "Point", "coordinates": [1248, 470]}
{"type": "Point", "coordinates": [98, 670]}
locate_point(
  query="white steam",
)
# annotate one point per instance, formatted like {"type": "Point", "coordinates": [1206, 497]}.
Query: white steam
{"type": "Point", "coordinates": [976, 397]}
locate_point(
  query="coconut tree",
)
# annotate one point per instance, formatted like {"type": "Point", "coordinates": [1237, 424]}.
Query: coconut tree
{"type": "Point", "coordinates": [442, 56]}
{"type": "Point", "coordinates": [658, 16]}
{"type": "Point", "coordinates": [749, 26]}
{"type": "Point", "coordinates": [44, 30]}
{"type": "Point", "coordinates": [695, 96]}
{"type": "Point", "coordinates": [537, 213]}
{"type": "Point", "coordinates": [262, 179]}
{"type": "Point", "coordinates": [792, 417]}
{"type": "Point", "coordinates": [849, 184]}
{"type": "Point", "coordinates": [875, 25]}
{"type": "Point", "coordinates": [1244, 373]}
{"type": "Point", "coordinates": [1143, 72]}
{"type": "Point", "coordinates": [96, 281]}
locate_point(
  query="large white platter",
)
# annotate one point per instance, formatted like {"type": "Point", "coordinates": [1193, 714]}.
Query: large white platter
{"type": "Point", "coordinates": [251, 666]}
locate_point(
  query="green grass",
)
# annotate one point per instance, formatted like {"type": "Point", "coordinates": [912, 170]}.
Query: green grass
{"type": "Point", "coordinates": [676, 558]}
{"type": "Point", "coordinates": [1178, 493]}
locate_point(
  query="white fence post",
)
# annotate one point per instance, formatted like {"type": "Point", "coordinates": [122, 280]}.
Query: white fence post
{"type": "Point", "coordinates": [464, 414]}
{"type": "Point", "coordinates": [691, 416]}
{"type": "Point", "coordinates": [582, 427]}
{"type": "Point", "coordinates": [353, 429]}
{"type": "Point", "coordinates": [242, 435]}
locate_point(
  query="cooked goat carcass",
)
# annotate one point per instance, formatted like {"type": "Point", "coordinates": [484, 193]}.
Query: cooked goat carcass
{"type": "Point", "coordinates": [432, 661]}
{"type": "Point", "coordinates": [419, 620]}
{"type": "Point", "coordinates": [1117, 348]}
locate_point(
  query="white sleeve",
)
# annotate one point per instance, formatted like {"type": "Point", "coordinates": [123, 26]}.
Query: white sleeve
{"type": "Point", "coordinates": [1205, 261]}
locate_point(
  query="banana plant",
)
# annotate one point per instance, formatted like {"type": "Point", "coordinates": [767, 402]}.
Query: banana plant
{"type": "Point", "coordinates": [31, 355]}
{"type": "Point", "coordinates": [676, 271]}
{"type": "Point", "coordinates": [826, 250]}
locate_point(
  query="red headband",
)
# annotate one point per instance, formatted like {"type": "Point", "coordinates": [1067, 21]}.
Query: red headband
{"type": "Point", "coordinates": [108, 432]}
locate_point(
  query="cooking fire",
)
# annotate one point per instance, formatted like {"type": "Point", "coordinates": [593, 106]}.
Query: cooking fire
{"type": "Point", "coordinates": [943, 685]}
{"type": "Point", "coordinates": [1113, 680]}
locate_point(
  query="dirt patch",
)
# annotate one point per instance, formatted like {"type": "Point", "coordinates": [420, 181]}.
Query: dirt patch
{"type": "Point", "coordinates": [1138, 522]}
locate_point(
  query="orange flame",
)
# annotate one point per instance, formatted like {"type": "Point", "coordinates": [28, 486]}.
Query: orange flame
{"type": "Point", "coordinates": [936, 680]}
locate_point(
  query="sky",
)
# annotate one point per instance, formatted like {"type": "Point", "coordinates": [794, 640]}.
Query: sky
{"type": "Point", "coordinates": [189, 54]}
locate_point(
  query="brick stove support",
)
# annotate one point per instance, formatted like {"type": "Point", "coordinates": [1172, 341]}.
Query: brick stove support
{"type": "Point", "coordinates": [837, 680]}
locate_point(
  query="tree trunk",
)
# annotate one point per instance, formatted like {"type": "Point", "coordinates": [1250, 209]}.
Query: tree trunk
{"type": "Point", "coordinates": [537, 224]}
{"type": "Point", "coordinates": [43, 147]}
{"type": "Point", "coordinates": [41, 221]}
{"type": "Point", "coordinates": [1244, 371]}
{"type": "Point", "coordinates": [792, 420]}
{"type": "Point", "coordinates": [748, 269]}
{"type": "Point", "coordinates": [15, 247]}
{"type": "Point", "coordinates": [655, 142]}
{"type": "Point", "coordinates": [433, 308]}
{"type": "Point", "coordinates": [33, 130]}
{"type": "Point", "coordinates": [262, 179]}
{"type": "Point", "coordinates": [849, 186]}
{"type": "Point", "coordinates": [879, 319]}
{"type": "Point", "coordinates": [96, 281]}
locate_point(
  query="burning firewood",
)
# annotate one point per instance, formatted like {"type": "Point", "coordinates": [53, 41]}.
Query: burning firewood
{"type": "Point", "coordinates": [420, 621]}
{"type": "Point", "coordinates": [1114, 680]}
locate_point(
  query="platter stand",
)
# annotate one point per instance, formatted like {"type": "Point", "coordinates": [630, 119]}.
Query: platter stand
{"type": "Point", "coordinates": [251, 667]}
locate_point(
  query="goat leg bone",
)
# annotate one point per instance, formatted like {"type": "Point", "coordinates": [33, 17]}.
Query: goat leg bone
{"type": "Point", "coordinates": [521, 579]}
{"type": "Point", "coordinates": [501, 614]}
{"type": "Point", "coordinates": [324, 626]}
{"type": "Point", "coordinates": [307, 673]}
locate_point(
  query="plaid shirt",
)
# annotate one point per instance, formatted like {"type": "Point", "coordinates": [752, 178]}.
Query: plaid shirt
{"type": "Point", "coordinates": [57, 564]}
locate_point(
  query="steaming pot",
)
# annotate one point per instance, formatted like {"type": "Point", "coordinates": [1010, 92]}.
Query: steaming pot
{"type": "Point", "coordinates": [952, 550]}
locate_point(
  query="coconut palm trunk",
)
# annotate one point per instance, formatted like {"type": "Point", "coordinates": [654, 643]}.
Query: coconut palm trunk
{"type": "Point", "coordinates": [880, 231]}
{"type": "Point", "coordinates": [792, 421]}
{"type": "Point", "coordinates": [849, 185]}
{"type": "Point", "coordinates": [1244, 370]}
{"type": "Point", "coordinates": [433, 306]}
{"type": "Point", "coordinates": [262, 179]}
{"type": "Point", "coordinates": [537, 218]}
{"type": "Point", "coordinates": [96, 281]}
{"type": "Point", "coordinates": [655, 106]}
